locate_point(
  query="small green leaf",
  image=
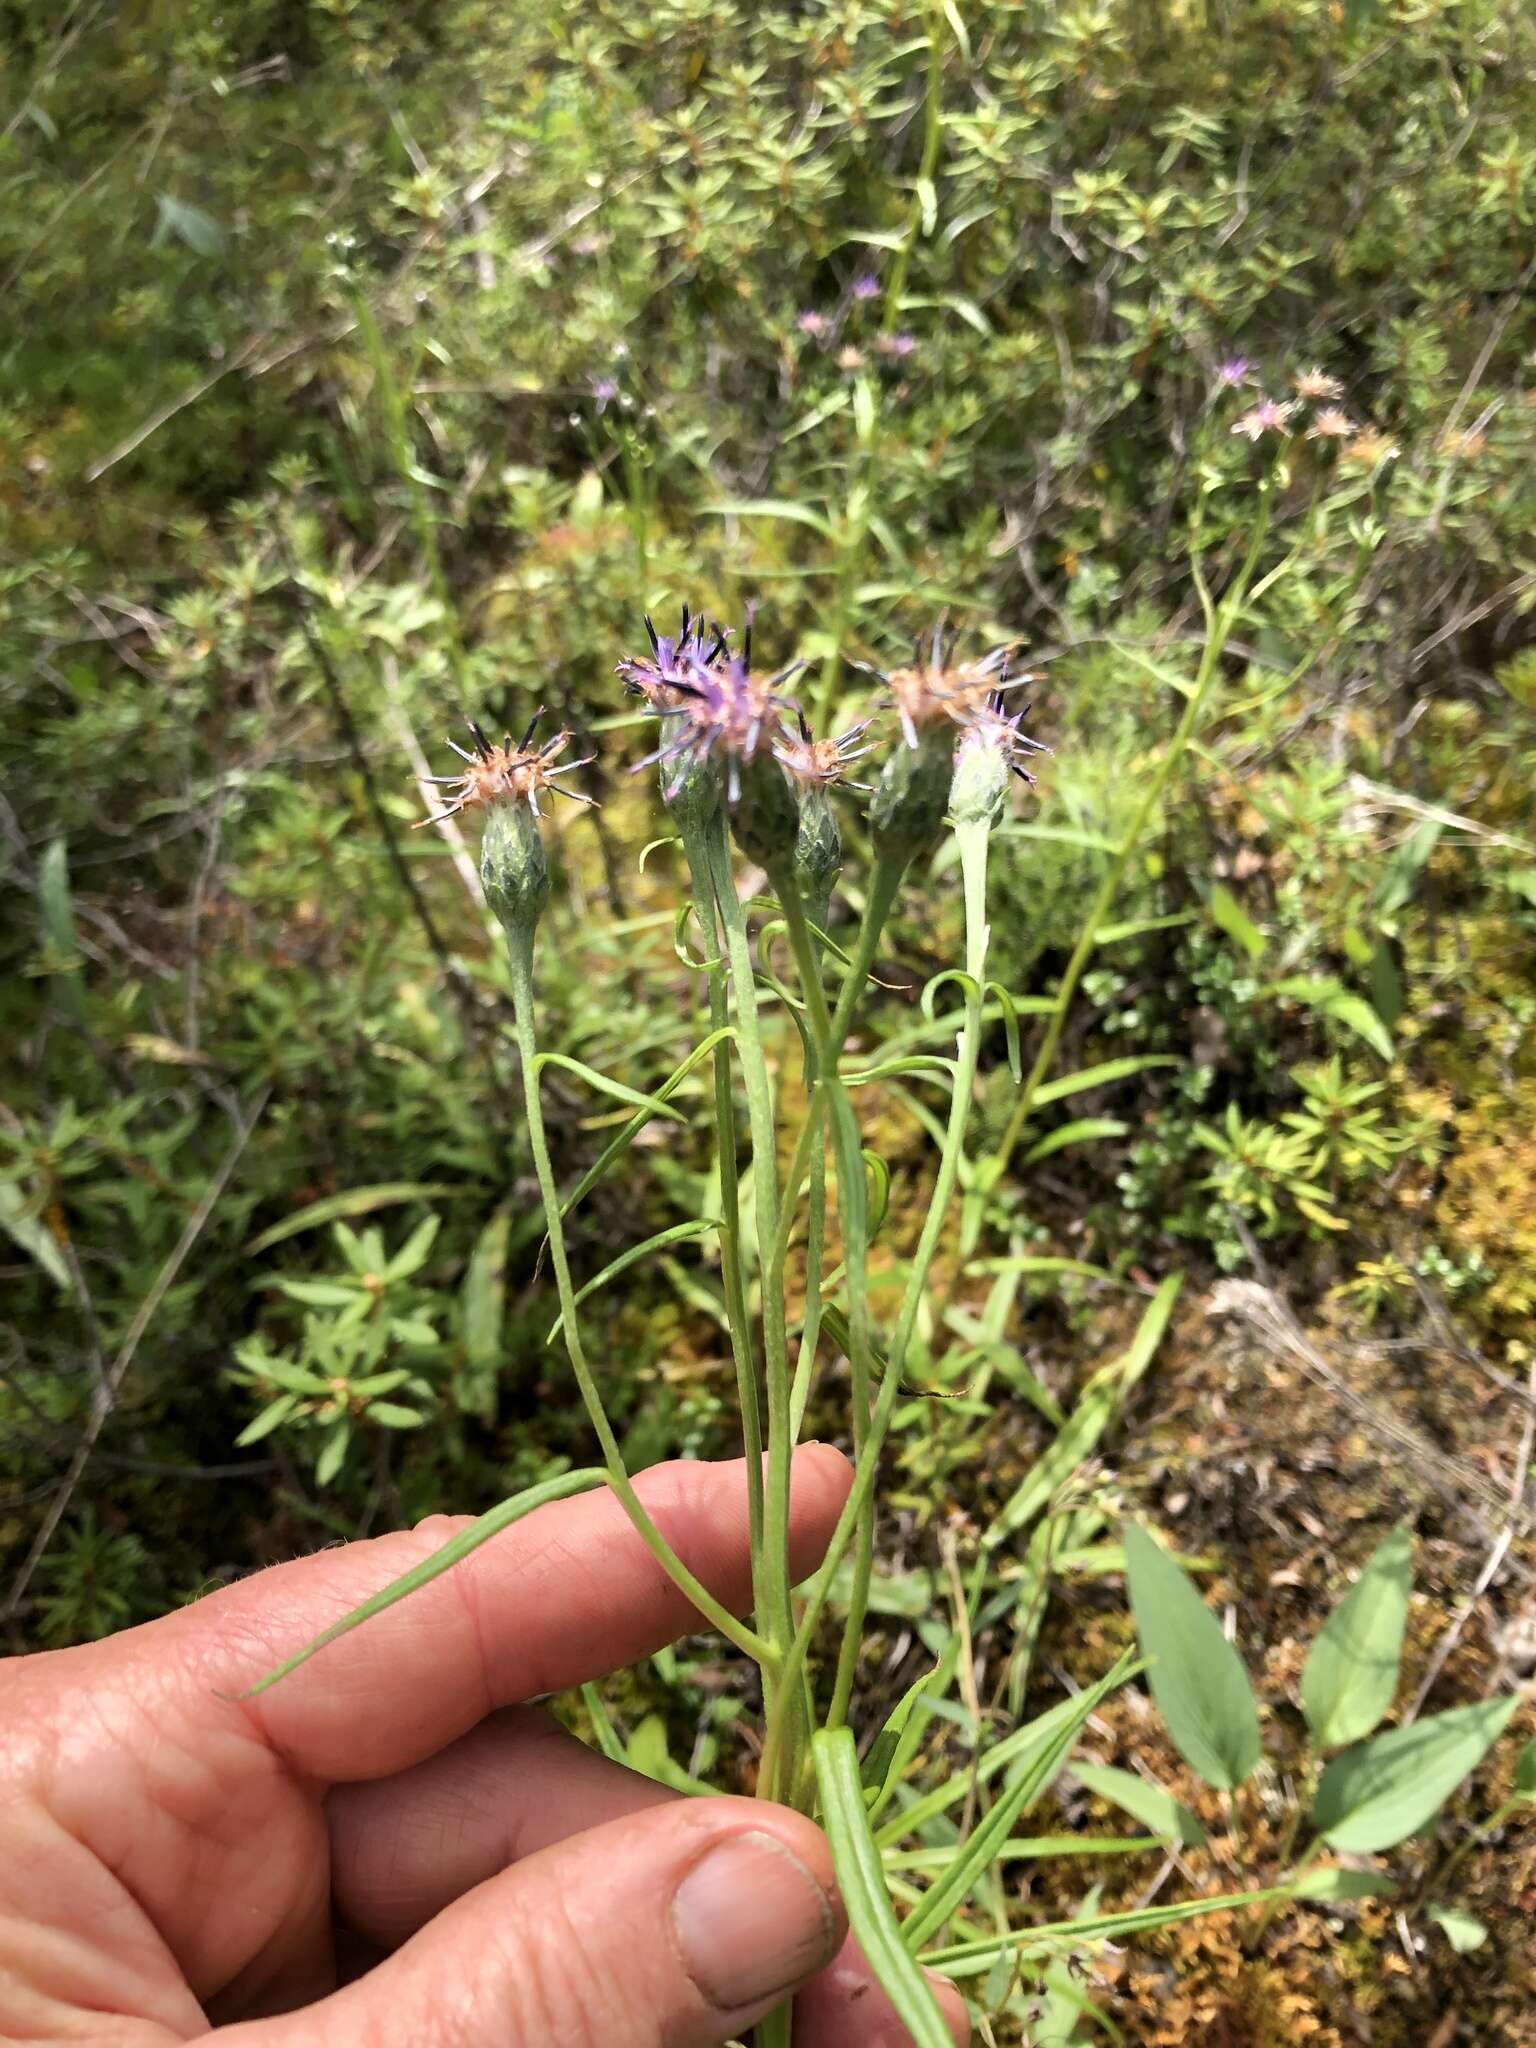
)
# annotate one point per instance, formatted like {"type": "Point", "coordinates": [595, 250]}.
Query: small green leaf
{"type": "Point", "coordinates": [1157, 1810]}
{"type": "Point", "coordinates": [275, 1413]}
{"type": "Point", "coordinates": [34, 1237]}
{"type": "Point", "coordinates": [56, 903]}
{"type": "Point", "coordinates": [1525, 1773]}
{"type": "Point", "coordinates": [333, 1454]}
{"type": "Point", "coordinates": [1231, 917]}
{"type": "Point", "coordinates": [200, 231]}
{"type": "Point", "coordinates": [393, 1416]}
{"type": "Point", "coordinates": [1374, 1797]}
{"type": "Point", "coordinates": [1464, 1931]}
{"type": "Point", "coordinates": [1351, 1674]}
{"type": "Point", "coordinates": [1196, 1676]}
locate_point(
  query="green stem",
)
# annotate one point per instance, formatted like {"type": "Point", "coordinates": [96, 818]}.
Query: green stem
{"type": "Point", "coordinates": [520, 961]}
{"type": "Point", "coordinates": [1219, 629]}
{"type": "Point", "coordinates": [775, 1614]}
{"type": "Point", "coordinates": [733, 1271]}
{"type": "Point", "coordinates": [973, 848]}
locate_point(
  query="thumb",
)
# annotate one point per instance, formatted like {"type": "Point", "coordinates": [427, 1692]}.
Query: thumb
{"type": "Point", "coordinates": [677, 1926]}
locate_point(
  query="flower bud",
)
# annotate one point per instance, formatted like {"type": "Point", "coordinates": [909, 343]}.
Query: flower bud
{"type": "Point", "coordinates": [690, 789]}
{"type": "Point", "coordinates": [981, 778]}
{"type": "Point", "coordinates": [818, 851]}
{"type": "Point", "coordinates": [513, 869]}
{"type": "Point", "coordinates": [766, 820]}
{"type": "Point", "coordinates": [907, 812]}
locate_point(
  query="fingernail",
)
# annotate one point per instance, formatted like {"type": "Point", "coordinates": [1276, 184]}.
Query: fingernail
{"type": "Point", "coordinates": [750, 1920]}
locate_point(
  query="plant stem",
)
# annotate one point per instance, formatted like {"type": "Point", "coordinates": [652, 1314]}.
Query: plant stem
{"type": "Point", "coordinates": [733, 1273]}
{"type": "Point", "coordinates": [775, 1614]}
{"type": "Point", "coordinates": [1218, 631]}
{"type": "Point", "coordinates": [973, 850]}
{"type": "Point", "coordinates": [520, 961]}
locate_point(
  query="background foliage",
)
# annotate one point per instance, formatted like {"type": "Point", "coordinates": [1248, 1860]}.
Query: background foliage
{"type": "Point", "coordinates": [381, 362]}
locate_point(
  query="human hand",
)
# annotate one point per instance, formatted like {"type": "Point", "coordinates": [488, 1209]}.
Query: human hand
{"type": "Point", "coordinates": [174, 1857]}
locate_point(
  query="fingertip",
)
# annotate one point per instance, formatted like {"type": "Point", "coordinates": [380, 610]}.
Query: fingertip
{"type": "Point", "coordinates": [956, 2013]}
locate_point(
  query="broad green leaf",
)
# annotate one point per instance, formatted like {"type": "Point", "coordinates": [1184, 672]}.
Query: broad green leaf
{"type": "Point", "coordinates": [1351, 1674]}
{"type": "Point", "coordinates": [861, 1880]}
{"type": "Point", "coordinates": [34, 1236]}
{"type": "Point", "coordinates": [1230, 916]}
{"type": "Point", "coordinates": [1154, 1807]}
{"type": "Point", "coordinates": [1097, 1406]}
{"type": "Point", "coordinates": [354, 1202]}
{"type": "Point", "coordinates": [1197, 1678]}
{"type": "Point", "coordinates": [1375, 1796]}
{"type": "Point", "coordinates": [1464, 1931]}
{"type": "Point", "coordinates": [1101, 1076]}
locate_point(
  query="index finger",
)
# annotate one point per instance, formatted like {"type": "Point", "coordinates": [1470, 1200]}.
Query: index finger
{"type": "Point", "coordinates": [564, 1596]}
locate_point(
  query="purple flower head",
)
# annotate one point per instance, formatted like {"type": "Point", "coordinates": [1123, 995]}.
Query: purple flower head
{"type": "Point", "coordinates": [866, 285]}
{"type": "Point", "coordinates": [992, 725]}
{"type": "Point", "coordinates": [665, 678]}
{"type": "Point", "coordinates": [604, 390]}
{"type": "Point", "coordinates": [511, 771]}
{"type": "Point", "coordinates": [937, 686]}
{"type": "Point", "coordinates": [1269, 416]}
{"type": "Point", "coordinates": [719, 706]}
{"type": "Point", "coordinates": [813, 763]}
{"type": "Point", "coordinates": [1232, 374]}
{"type": "Point", "coordinates": [812, 323]}
{"type": "Point", "coordinates": [897, 346]}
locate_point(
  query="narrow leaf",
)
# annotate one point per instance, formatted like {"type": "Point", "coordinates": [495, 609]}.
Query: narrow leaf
{"type": "Point", "coordinates": [1101, 1076]}
{"type": "Point", "coordinates": [489, 1524]}
{"type": "Point", "coordinates": [1085, 1131]}
{"type": "Point", "coordinates": [1351, 1674]}
{"type": "Point", "coordinates": [1229, 915]}
{"type": "Point", "coordinates": [861, 1880]}
{"type": "Point", "coordinates": [1097, 1406]}
{"type": "Point", "coordinates": [354, 1202]}
{"type": "Point", "coordinates": [1197, 1678]}
{"type": "Point", "coordinates": [950, 1890]}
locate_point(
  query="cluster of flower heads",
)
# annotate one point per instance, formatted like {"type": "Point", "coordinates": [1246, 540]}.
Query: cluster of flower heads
{"type": "Point", "coordinates": [520, 771]}
{"type": "Point", "coordinates": [1327, 419]}
{"type": "Point", "coordinates": [713, 705]}
{"type": "Point", "coordinates": [827, 328]}
{"type": "Point", "coordinates": [718, 713]}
